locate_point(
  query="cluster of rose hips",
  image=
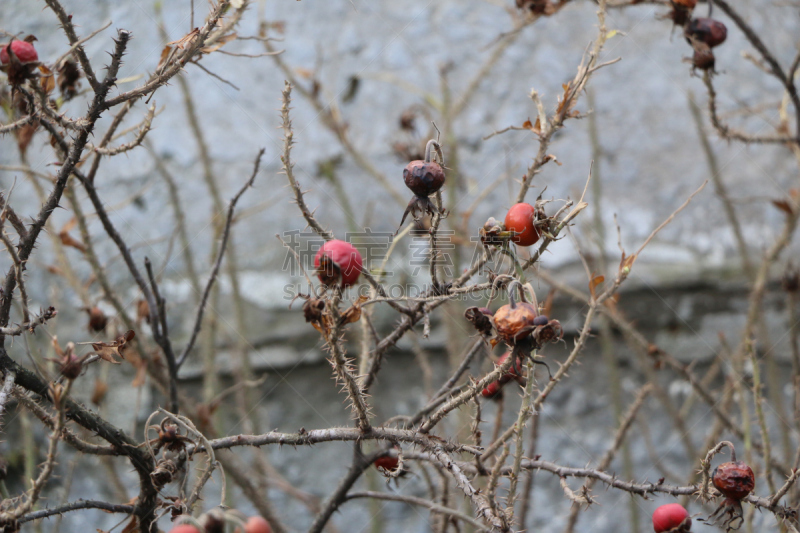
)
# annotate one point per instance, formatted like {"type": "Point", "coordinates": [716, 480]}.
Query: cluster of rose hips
{"type": "Point", "coordinates": [734, 480]}
{"type": "Point", "coordinates": [214, 522]}
{"type": "Point", "coordinates": [702, 33]}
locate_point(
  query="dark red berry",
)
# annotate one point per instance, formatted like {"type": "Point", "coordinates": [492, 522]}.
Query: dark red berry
{"type": "Point", "coordinates": [423, 177]}
{"type": "Point", "coordinates": [734, 479]}
{"type": "Point", "coordinates": [671, 518]}
{"type": "Point", "coordinates": [387, 462]}
{"type": "Point", "coordinates": [23, 50]}
{"type": "Point", "coordinates": [492, 390]}
{"type": "Point", "coordinates": [705, 30]}
{"type": "Point", "coordinates": [338, 262]}
{"type": "Point", "coordinates": [520, 220]}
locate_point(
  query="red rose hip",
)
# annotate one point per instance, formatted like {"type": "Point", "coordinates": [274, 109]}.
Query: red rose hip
{"type": "Point", "coordinates": [257, 524]}
{"type": "Point", "coordinates": [338, 262]}
{"type": "Point", "coordinates": [671, 518]}
{"type": "Point", "coordinates": [520, 219]}
{"type": "Point", "coordinates": [387, 462]}
{"type": "Point", "coordinates": [184, 528]}
{"type": "Point", "coordinates": [23, 50]}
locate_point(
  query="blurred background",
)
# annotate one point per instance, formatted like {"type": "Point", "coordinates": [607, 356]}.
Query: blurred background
{"type": "Point", "coordinates": [371, 78]}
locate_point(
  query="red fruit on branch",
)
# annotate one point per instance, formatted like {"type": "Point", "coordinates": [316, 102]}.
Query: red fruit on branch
{"type": "Point", "coordinates": [387, 462]}
{"type": "Point", "coordinates": [705, 30]}
{"type": "Point", "coordinates": [734, 479]}
{"type": "Point", "coordinates": [671, 518]}
{"type": "Point", "coordinates": [424, 177]}
{"type": "Point", "coordinates": [19, 60]}
{"type": "Point", "coordinates": [338, 262]}
{"type": "Point", "coordinates": [184, 528]}
{"type": "Point", "coordinates": [492, 391]}
{"type": "Point", "coordinates": [512, 373]}
{"type": "Point", "coordinates": [520, 220]}
{"type": "Point", "coordinates": [256, 524]}
{"type": "Point", "coordinates": [23, 50]}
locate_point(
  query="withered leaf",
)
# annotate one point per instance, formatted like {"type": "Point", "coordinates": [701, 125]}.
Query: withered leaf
{"type": "Point", "coordinates": [107, 350]}
{"type": "Point", "coordinates": [25, 136]}
{"type": "Point", "coordinates": [99, 392]}
{"type": "Point", "coordinates": [353, 314]}
{"type": "Point", "coordinates": [47, 79]}
{"type": "Point", "coordinates": [184, 41]}
{"type": "Point", "coordinates": [784, 206]}
{"type": "Point", "coordinates": [596, 280]}
{"type": "Point", "coordinates": [69, 240]}
{"type": "Point", "coordinates": [222, 41]}
{"type": "Point", "coordinates": [535, 128]}
{"type": "Point", "coordinates": [132, 526]}
{"type": "Point", "coordinates": [164, 56]}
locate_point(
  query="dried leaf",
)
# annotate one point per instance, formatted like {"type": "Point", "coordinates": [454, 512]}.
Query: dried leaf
{"type": "Point", "coordinates": [107, 350]}
{"type": "Point", "coordinates": [25, 136]}
{"type": "Point", "coordinates": [535, 128]}
{"type": "Point", "coordinates": [69, 240]}
{"type": "Point", "coordinates": [132, 526]}
{"type": "Point", "coordinates": [47, 79]}
{"type": "Point", "coordinates": [547, 307]}
{"type": "Point", "coordinates": [596, 280]}
{"type": "Point", "coordinates": [141, 369]}
{"type": "Point", "coordinates": [164, 56]}
{"type": "Point", "coordinates": [222, 41]}
{"type": "Point", "coordinates": [99, 392]}
{"type": "Point", "coordinates": [184, 41]}
{"type": "Point", "coordinates": [304, 72]}
{"type": "Point", "coordinates": [353, 314]}
{"type": "Point", "coordinates": [785, 206]}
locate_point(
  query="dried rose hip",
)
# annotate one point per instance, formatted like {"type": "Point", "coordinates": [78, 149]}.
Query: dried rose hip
{"type": "Point", "coordinates": [338, 262]}
{"type": "Point", "coordinates": [480, 318]}
{"type": "Point", "coordinates": [734, 479]}
{"type": "Point", "coordinates": [705, 30]}
{"type": "Point", "coordinates": [520, 220]}
{"type": "Point", "coordinates": [703, 57]}
{"type": "Point", "coordinates": [424, 177]}
{"type": "Point", "coordinates": [671, 518]}
{"type": "Point", "coordinates": [681, 11]}
{"type": "Point", "coordinates": [514, 321]}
